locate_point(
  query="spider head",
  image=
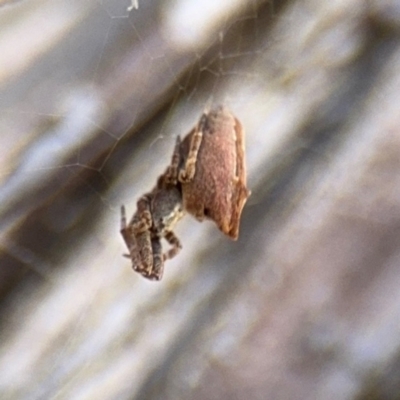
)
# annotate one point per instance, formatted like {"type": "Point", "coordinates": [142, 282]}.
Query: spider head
{"type": "Point", "coordinates": [167, 209]}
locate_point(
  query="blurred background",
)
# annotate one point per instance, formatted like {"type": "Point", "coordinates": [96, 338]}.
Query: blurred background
{"type": "Point", "coordinates": [305, 305]}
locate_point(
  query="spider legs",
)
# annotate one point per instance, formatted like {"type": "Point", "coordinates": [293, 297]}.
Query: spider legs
{"type": "Point", "coordinates": [172, 239]}
{"type": "Point", "coordinates": [180, 169]}
{"type": "Point", "coordinates": [129, 239]}
{"type": "Point", "coordinates": [187, 173]}
{"type": "Point", "coordinates": [136, 235]}
{"type": "Point", "coordinates": [159, 258]}
{"type": "Point", "coordinates": [141, 220]}
{"type": "Point", "coordinates": [158, 261]}
{"type": "Point", "coordinates": [155, 257]}
{"type": "Point", "coordinates": [171, 175]}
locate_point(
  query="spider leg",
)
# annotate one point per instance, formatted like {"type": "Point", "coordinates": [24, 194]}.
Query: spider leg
{"type": "Point", "coordinates": [137, 236]}
{"type": "Point", "coordinates": [124, 229]}
{"type": "Point", "coordinates": [158, 261]}
{"type": "Point", "coordinates": [241, 193]}
{"type": "Point", "coordinates": [129, 239]}
{"type": "Point", "coordinates": [145, 251]}
{"type": "Point", "coordinates": [141, 220]}
{"type": "Point", "coordinates": [172, 172]}
{"type": "Point", "coordinates": [187, 173]}
{"type": "Point", "coordinates": [172, 239]}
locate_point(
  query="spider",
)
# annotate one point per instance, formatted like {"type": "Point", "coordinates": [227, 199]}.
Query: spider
{"type": "Point", "coordinates": [206, 178]}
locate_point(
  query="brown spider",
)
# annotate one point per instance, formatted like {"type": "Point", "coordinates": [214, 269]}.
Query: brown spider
{"type": "Point", "coordinates": [206, 177]}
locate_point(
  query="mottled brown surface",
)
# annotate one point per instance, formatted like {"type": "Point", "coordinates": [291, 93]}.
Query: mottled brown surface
{"type": "Point", "coordinates": [218, 188]}
{"type": "Point", "coordinates": [305, 305]}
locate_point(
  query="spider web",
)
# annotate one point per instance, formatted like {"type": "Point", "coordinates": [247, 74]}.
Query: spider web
{"type": "Point", "coordinates": [91, 104]}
